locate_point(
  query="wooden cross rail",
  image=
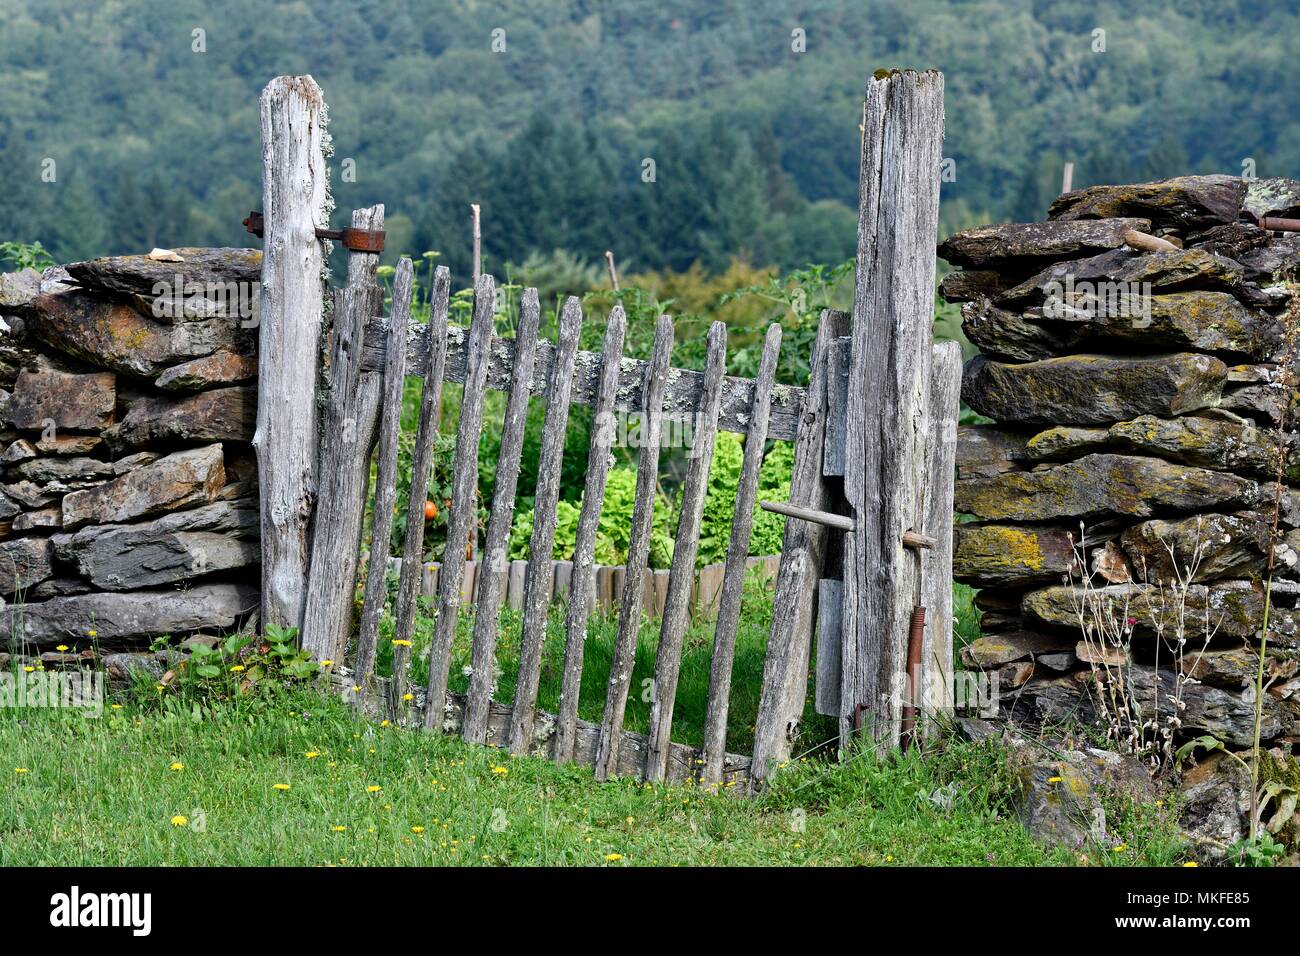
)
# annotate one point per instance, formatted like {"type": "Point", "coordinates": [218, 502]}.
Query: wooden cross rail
{"type": "Point", "coordinates": [682, 391]}
{"type": "Point", "coordinates": [911, 539]}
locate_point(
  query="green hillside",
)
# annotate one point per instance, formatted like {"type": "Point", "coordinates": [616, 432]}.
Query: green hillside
{"type": "Point", "coordinates": [754, 145]}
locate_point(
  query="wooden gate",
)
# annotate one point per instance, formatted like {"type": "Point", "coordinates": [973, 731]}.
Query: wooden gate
{"type": "Point", "coordinates": [362, 386]}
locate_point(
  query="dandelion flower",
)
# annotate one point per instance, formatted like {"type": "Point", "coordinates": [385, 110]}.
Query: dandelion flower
{"type": "Point", "coordinates": [408, 697]}
{"type": "Point", "coordinates": [115, 706]}
{"type": "Point", "coordinates": [500, 771]}
{"type": "Point", "coordinates": [373, 788]}
{"type": "Point", "coordinates": [417, 829]}
{"type": "Point", "coordinates": [338, 829]}
{"type": "Point", "coordinates": [383, 723]}
{"type": "Point", "coordinates": [237, 669]}
{"type": "Point", "coordinates": [61, 647]}
{"type": "Point", "coordinates": [327, 663]}
{"type": "Point", "coordinates": [312, 754]}
{"type": "Point", "coordinates": [179, 821]}
{"type": "Point", "coordinates": [177, 765]}
{"type": "Point", "coordinates": [20, 770]}
{"type": "Point", "coordinates": [279, 786]}
{"type": "Point", "coordinates": [1191, 863]}
{"type": "Point", "coordinates": [92, 633]}
{"type": "Point", "coordinates": [613, 857]}
{"type": "Point", "coordinates": [1120, 847]}
{"type": "Point", "coordinates": [399, 642]}
{"type": "Point", "coordinates": [1055, 779]}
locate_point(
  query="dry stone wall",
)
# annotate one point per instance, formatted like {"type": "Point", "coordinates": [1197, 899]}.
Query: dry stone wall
{"type": "Point", "coordinates": [1135, 399]}
{"type": "Point", "coordinates": [128, 488]}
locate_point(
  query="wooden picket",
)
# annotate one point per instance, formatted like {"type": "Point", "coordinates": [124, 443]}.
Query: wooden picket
{"type": "Point", "coordinates": [412, 572]}
{"type": "Point", "coordinates": [638, 552]}
{"type": "Point", "coordinates": [582, 592]}
{"type": "Point", "coordinates": [733, 578]}
{"type": "Point", "coordinates": [677, 611]}
{"type": "Point", "coordinates": [381, 530]}
{"type": "Point", "coordinates": [492, 576]}
{"type": "Point", "coordinates": [464, 488]}
{"type": "Point", "coordinates": [538, 578]}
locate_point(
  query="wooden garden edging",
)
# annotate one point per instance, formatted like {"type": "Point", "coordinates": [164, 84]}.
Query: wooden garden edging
{"type": "Point", "coordinates": [869, 535]}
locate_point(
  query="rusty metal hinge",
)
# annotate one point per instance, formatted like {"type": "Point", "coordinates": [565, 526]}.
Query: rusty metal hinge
{"type": "Point", "coordinates": [355, 240]}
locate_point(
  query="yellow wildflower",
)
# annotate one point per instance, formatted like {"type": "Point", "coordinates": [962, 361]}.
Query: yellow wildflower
{"type": "Point", "coordinates": [339, 829]}
{"type": "Point", "coordinates": [177, 765]}
{"type": "Point", "coordinates": [20, 770]}
{"type": "Point", "coordinates": [373, 788]}
{"type": "Point", "coordinates": [312, 754]}
{"type": "Point", "coordinates": [417, 829]}
{"type": "Point", "coordinates": [500, 771]}
{"type": "Point", "coordinates": [179, 821]}
{"type": "Point", "coordinates": [279, 786]}
{"type": "Point", "coordinates": [398, 642]}
{"type": "Point", "coordinates": [613, 857]}
{"type": "Point", "coordinates": [408, 697]}
{"type": "Point", "coordinates": [61, 647]}
{"type": "Point", "coordinates": [237, 669]}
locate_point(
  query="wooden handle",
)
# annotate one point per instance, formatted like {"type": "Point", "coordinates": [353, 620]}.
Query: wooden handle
{"type": "Point", "coordinates": [1146, 243]}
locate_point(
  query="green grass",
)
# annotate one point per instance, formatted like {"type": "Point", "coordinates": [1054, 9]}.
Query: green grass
{"type": "Point", "coordinates": [965, 618]}
{"type": "Point", "coordinates": [102, 791]}
{"type": "Point", "coordinates": [693, 682]}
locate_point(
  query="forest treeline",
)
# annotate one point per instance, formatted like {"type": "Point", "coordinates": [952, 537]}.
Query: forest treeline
{"type": "Point", "coordinates": [672, 132]}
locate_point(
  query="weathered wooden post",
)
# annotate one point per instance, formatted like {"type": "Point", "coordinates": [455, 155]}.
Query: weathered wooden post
{"type": "Point", "coordinates": [888, 393]}
{"type": "Point", "coordinates": [295, 202]}
{"type": "Point", "coordinates": [351, 420]}
{"type": "Point", "coordinates": [934, 683]}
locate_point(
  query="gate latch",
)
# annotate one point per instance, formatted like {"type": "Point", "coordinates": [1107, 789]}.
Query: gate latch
{"type": "Point", "coordinates": [355, 240]}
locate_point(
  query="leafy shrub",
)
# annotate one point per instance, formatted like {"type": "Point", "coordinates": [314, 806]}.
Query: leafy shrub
{"type": "Point", "coordinates": [720, 502]}
{"type": "Point", "coordinates": [613, 534]}
{"type": "Point", "coordinates": [25, 255]}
